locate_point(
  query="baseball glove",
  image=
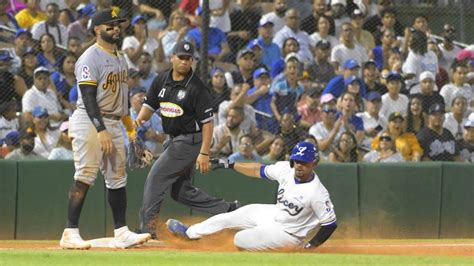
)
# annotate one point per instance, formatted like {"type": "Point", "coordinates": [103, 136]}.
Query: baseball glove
{"type": "Point", "coordinates": [221, 164]}
{"type": "Point", "coordinates": [138, 155]}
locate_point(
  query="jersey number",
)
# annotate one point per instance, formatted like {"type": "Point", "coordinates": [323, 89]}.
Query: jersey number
{"type": "Point", "coordinates": [162, 93]}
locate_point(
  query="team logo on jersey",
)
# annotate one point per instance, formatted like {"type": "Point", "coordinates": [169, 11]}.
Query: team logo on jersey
{"type": "Point", "coordinates": [291, 208]}
{"type": "Point", "coordinates": [86, 73]}
{"type": "Point", "coordinates": [170, 110]}
{"type": "Point", "coordinates": [181, 95]}
{"type": "Point", "coordinates": [329, 206]}
{"type": "Point", "coordinates": [114, 80]}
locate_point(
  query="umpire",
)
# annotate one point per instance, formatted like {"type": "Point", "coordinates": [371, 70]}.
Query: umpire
{"type": "Point", "coordinates": [185, 105]}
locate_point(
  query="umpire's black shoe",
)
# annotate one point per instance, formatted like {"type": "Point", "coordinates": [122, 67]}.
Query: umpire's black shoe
{"type": "Point", "coordinates": [153, 234]}
{"type": "Point", "coordinates": [234, 205]}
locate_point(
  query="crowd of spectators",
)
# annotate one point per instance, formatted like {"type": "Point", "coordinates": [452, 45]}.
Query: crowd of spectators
{"type": "Point", "coordinates": [347, 76]}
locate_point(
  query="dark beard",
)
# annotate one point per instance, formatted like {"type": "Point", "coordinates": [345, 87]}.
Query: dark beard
{"type": "Point", "coordinates": [280, 12]}
{"type": "Point", "coordinates": [108, 38]}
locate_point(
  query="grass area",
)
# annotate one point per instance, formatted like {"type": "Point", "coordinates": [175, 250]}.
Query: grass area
{"type": "Point", "coordinates": [62, 257]}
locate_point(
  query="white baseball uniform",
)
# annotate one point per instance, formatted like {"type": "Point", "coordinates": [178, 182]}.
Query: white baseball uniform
{"type": "Point", "coordinates": [300, 207]}
{"type": "Point", "coordinates": [107, 71]}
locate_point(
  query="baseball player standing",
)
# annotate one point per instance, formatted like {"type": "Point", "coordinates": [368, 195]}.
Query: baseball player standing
{"type": "Point", "coordinates": [185, 105]}
{"type": "Point", "coordinates": [97, 140]}
{"type": "Point", "coordinates": [302, 203]}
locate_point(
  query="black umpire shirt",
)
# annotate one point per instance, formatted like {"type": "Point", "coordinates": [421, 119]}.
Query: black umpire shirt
{"type": "Point", "coordinates": [184, 105]}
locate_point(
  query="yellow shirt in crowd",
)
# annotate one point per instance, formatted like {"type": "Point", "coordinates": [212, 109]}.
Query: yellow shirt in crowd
{"type": "Point", "coordinates": [26, 20]}
{"type": "Point", "coordinates": [407, 144]}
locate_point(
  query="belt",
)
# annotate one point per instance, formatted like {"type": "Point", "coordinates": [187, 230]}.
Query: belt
{"type": "Point", "coordinates": [186, 135]}
{"type": "Point", "coordinates": [110, 116]}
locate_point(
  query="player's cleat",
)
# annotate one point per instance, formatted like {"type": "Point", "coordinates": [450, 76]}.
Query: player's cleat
{"type": "Point", "coordinates": [125, 238]}
{"type": "Point", "coordinates": [234, 205]}
{"type": "Point", "coordinates": [71, 239]}
{"type": "Point", "coordinates": [176, 227]}
{"type": "Point", "coordinates": [139, 231]}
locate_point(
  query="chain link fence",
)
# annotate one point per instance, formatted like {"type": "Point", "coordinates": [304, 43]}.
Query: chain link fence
{"type": "Point", "coordinates": [367, 80]}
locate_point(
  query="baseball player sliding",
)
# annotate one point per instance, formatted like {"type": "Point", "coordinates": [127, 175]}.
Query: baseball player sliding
{"type": "Point", "coordinates": [97, 142]}
{"type": "Point", "coordinates": [302, 203]}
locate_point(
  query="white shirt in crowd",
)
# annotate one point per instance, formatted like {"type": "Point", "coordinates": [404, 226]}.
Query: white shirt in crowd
{"type": "Point", "coordinates": [341, 53]}
{"type": "Point", "coordinates": [8, 126]}
{"type": "Point", "coordinates": [59, 32]}
{"type": "Point", "coordinates": [49, 100]}
{"type": "Point", "coordinates": [417, 64]}
{"type": "Point", "coordinates": [51, 140]}
{"type": "Point", "coordinates": [249, 120]}
{"type": "Point", "coordinates": [315, 38]}
{"type": "Point", "coordinates": [451, 124]}
{"type": "Point", "coordinates": [301, 36]}
{"type": "Point", "coordinates": [278, 22]}
{"type": "Point", "coordinates": [233, 145]}
{"type": "Point", "coordinates": [320, 132]}
{"type": "Point", "coordinates": [150, 46]}
{"type": "Point", "coordinates": [447, 57]}
{"type": "Point", "coordinates": [373, 156]}
{"type": "Point", "coordinates": [61, 153]}
{"type": "Point", "coordinates": [371, 122]}
{"type": "Point", "coordinates": [390, 106]}
{"type": "Point", "coordinates": [221, 22]}
{"type": "Point", "coordinates": [450, 91]}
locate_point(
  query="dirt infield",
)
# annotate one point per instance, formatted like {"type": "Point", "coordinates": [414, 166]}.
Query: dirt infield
{"type": "Point", "coordinates": [223, 242]}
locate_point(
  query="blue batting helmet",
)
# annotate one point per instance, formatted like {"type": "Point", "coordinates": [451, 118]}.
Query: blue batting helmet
{"type": "Point", "coordinates": [304, 152]}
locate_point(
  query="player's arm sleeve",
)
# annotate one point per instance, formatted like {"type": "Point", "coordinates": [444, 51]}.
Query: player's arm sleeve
{"type": "Point", "coordinates": [323, 234]}
{"type": "Point", "coordinates": [89, 97]}
{"type": "Point", "coordinates": [203, 105]}
{"type": "Point", "coordinates": [273, 172]}
{"type": "Point", "coordinates": [152, 101]}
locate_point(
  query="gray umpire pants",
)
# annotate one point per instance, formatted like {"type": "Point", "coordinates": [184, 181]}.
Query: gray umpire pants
{"type": "Point", "coordinates": [174, 169]}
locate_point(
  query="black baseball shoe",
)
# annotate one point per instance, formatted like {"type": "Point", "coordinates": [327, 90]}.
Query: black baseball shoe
{"type": "Point", "coordinates": [234, 205]}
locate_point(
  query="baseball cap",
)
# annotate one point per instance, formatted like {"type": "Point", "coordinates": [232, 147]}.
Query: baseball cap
{"type": "Point", "coordinates": [259, 72]}
{"type": "Point", "coordinates": [184, 48]}
{"type": "Point", "coordinates": [39, 111]}
{"type": "Point", "coordinates": [138, 18]}
{"type": "Point", "coordinates": [395, 115]}
{"type": "Point", "coordinates": [243, 52]}
{"type": "Point", "coordinates": [323, 44]}
{"type": "Point", "coordinates": [87, 10]}
{"type": "Point", "coordinates": [136, 90]}
{"type": "Point", "coordinates": [469, 123]}
{"type": "Point", "coordinates": [374, 96]}
{"type": "Point", "coordinates": [327, 97]}
{"type": "Point", "coordinates": [351, 64]}
{"type": "Point", "coordinates": [133, 73]}
{"type": "Point", "coordinates": [64, 126]}
{"type": "Point", "coordinates": [254, 43]}
{"type": "Point", "coordinates": [265, 21]}
{"type": "Point", "coordinates": [357, 13]}
{"type": "Point", "coordinates": [214, 70]}
{"type": "Point", "coordinates": [29, 51]}
{"type": "Point", "coordinates": [27, 133]}
{"type": "Point", "coordinates": [19, 32]}
{"type": "Point", "coordinates": [12, 138]}
{"type": "Point", "coordinates": [427, 75]}
{"type": "Point", "coordinates": [41, 69]}
{"type": "Point", "coordinates": [5, 55]}
{"type": "Point", "coordinates": [305, 152]}
{"type": "Point", "coordinates": [108, 15]}
{"type": "Point", "coordinates": [369, 63]}
{"type": "Point", "coordinates": [393, 75]}
{"type": "Point", "coordinates": [436, 108]}
{"type": "Point", "coordinates": [292, 55]}
{"type": "Point", "coordinates": [342, 2]}
{"type": "Point", "coordinates": [351, 79]}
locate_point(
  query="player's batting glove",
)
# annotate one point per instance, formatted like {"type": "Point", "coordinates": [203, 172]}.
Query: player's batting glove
{"type": "Point", "coordinates": [221, 163]}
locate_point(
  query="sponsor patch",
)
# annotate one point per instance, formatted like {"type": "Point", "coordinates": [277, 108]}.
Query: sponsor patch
{"type": "Point", "coordinates": [86, 73]}
{"type": "Point", "coordinates": [171, 110]}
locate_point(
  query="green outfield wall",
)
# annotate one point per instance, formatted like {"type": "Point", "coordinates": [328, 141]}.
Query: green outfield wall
{"type": "Point", "coordinates": [422, 200]}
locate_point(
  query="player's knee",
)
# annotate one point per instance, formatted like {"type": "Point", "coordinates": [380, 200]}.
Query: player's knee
{"type": "Point", "coordinates": [89, 180]}
{"type": "Point", "coordinates": [241, 241]}
{"type": "Point", "coordinates": [115, 183]}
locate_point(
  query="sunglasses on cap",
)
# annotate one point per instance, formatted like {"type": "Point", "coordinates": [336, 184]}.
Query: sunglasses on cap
{"type": "Point", "coordinates": [386, 138]}
{"type": "Point", "coordinates": [328, 109]}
